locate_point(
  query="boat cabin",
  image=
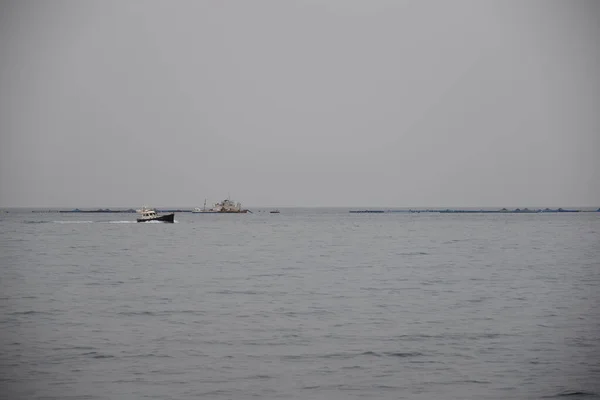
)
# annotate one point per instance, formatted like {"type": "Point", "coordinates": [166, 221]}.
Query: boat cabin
{"type": "Point", "coordinates": [147, 212]}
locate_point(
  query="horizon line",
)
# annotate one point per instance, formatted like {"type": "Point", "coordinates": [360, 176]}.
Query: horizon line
{"type": "Point", "coordinates": [96, 207]}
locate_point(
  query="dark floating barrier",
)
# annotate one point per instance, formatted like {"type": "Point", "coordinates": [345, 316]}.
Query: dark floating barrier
{"type": "Point", "coordinates": [109, 211]}
{"type": "Point", "coordinates": [99, 211]}
{"type": "Point", "coordinates": [481, 211]}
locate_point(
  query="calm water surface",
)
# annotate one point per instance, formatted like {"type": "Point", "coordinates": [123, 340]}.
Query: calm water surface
{"type": "Point", "coordinates": [307, 304]}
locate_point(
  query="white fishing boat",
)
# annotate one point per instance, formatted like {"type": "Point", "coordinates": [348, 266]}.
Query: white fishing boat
{"type": "Point", "coordinates": [203, 210]}
{"type": "Point", "coordinates": [226, 206]}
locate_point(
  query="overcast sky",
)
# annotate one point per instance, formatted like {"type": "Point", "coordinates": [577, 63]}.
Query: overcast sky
{"type": "Point", "coordinates": [300, 103]}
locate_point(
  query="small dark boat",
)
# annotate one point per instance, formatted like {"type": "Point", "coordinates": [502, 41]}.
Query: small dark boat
{"type": "Point", "coordinates": [274, 212]}
{"type": "Point", "coordinates": [149, 215]}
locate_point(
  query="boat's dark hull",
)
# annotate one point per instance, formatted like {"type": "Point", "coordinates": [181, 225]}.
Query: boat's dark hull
{"type": "Point", "coordinates": [161, 218]}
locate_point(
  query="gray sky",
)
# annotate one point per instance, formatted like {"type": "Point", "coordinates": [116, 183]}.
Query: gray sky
{"type": "Point", "coordinates": [300, 103]}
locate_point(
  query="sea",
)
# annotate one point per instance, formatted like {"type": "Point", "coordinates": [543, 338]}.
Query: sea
{"type": "Point", "coordinates": [311, 303]}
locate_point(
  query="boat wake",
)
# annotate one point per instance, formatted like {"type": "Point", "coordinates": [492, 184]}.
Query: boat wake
{"type": "Point", "coordinates": [155, 222]}
{"type": "Point", "coordinates": [73, 222]}
{"type": "Point", "coordinates": [98, 222]}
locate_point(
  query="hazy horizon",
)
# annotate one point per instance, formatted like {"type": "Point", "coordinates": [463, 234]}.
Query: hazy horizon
{"type": "Point", "coordinates": [274, 206]}
{"type": "Point", "coordinates": [386, 103]}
